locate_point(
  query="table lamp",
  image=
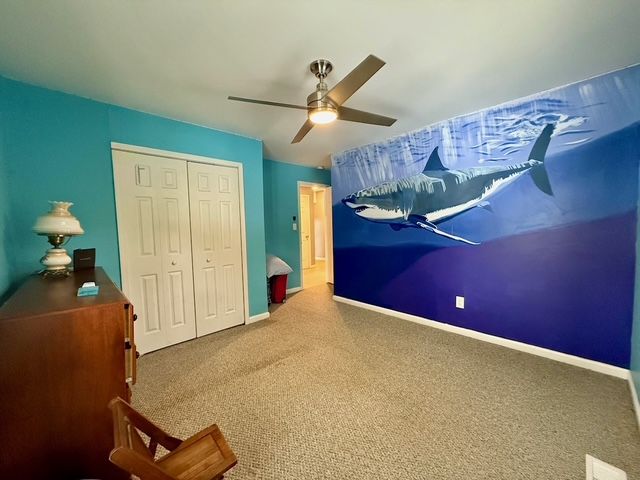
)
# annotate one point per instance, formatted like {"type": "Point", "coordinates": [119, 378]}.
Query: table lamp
{"type": "Point", "coordinates": [59, 226]}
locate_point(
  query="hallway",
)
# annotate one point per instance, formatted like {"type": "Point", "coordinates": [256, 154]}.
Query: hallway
{"type": "Point", "coordinates": [315, 275]}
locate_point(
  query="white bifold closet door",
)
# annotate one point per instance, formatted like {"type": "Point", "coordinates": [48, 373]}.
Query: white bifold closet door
{"type": "Point", "coordinates": [152, 199]}
{"type": "Point", "coordinates": [216, 240]}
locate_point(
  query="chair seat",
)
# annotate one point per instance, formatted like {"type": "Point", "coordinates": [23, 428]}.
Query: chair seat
{"type": "Point", "coordinates": [204, 456]}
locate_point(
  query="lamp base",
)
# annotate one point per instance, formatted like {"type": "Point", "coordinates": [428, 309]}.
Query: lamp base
{"type": "Point", "coordinates": [56, 262]}
{"type": "Point", "coordinates": [55, 273]}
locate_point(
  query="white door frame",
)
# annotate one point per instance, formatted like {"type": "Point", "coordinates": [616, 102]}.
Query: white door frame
{"type": "Point", "coordinates": [305, 234]}
{"type": "Point", "coordinates": [306, 184]}
{"type": "Point", "coordinates": [210, 161]}
{"type": "Point", "coordinates": [328, 237]}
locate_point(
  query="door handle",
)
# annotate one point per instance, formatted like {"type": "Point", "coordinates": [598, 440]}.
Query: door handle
{"type": "Point", "coordinates": [173, 262]}
{"type": "Point", "coordinates": [208, 260]}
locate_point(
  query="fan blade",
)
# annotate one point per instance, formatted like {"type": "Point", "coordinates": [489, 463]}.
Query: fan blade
{"type": "Point", "coordinates": [308, 125]}
{"type": "Point", "coordinates": [353, 115]}
{"type": "Point", "coordinates": [355, 79]}
{"type": "Point", "coordinates": [264, 102]}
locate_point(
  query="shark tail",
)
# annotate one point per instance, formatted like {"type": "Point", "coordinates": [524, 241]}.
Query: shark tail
{"type": "Point", "coordinates": [538, 152]}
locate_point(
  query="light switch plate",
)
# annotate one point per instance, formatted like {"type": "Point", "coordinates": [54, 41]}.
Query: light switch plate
{"type": "Point", "coordinates": [459, 302]}
{"type": "Point", "coordinates": [599, 470]}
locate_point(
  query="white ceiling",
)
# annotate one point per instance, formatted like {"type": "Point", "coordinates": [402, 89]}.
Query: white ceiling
{"type": "Point", "coordinates": [181, 58]}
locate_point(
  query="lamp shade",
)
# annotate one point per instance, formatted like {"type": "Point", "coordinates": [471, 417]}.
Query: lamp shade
{"type": "Point", "coordinates": [58, 221]}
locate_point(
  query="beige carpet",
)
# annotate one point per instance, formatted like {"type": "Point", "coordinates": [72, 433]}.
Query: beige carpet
{"type": "Point", "coordinates": [324, 390]}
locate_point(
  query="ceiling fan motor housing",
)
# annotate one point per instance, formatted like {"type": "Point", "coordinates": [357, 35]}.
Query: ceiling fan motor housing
{"type": "Point", "coordinates": [317, 100]}
{"type": "Point", "coordinates": [321, 108]}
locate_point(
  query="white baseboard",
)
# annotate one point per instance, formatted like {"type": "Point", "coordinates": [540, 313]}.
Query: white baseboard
{"type": "Point", "coordinates": [634, 397]}
{"type": "Point", "coordinates": [293, 290]}
{"type": "Point", "coordinates": [257, 318]}
{"type": "Point", "coordinates": [523, 347]}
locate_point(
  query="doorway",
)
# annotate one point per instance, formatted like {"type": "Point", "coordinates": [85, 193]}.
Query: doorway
{"type": "Point", "coordinates": [316, 236]}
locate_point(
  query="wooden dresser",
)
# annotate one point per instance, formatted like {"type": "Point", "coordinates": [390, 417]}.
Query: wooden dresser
{"type": "Point", "coordinates": [62, 359]}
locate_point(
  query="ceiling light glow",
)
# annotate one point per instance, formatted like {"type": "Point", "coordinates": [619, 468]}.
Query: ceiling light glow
{"type": "Point", "coordinates": [321, 116]}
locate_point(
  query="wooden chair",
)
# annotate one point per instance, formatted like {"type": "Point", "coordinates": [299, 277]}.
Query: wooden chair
{"type": "Point", "coordinates": [204, 456]}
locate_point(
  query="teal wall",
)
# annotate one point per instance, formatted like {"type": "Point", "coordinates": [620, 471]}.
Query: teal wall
{"type": "Point", "coordinates": [57, 147]}
{"type": "Point", "coordinates": [4, 200]}
{"type": "Point", "coordinates": [281, 204]}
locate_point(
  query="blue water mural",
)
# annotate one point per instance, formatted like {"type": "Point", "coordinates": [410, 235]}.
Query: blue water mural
{"type": "Point", "coordinates": [438, 193]}
{"type": "Point", "coordinates": [528, 209]}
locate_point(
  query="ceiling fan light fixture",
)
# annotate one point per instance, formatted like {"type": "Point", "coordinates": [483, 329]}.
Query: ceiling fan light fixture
{"type": "Point", "coordinates": [325, 105]}
{"type": "Point", "coordinates": [323, 115]}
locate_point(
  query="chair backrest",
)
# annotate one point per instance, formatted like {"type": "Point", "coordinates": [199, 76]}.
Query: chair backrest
{"type": "Point", "coordinates": [130, 451]}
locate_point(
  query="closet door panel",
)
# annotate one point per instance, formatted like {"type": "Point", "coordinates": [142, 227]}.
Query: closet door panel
{"type": "Point", "coordinates": [203, 222]}
{"type": "Point", "coordinates": [152, 203]}
{"type": "Point", "coordinates": [231, 295]}
{"type": "Point", "coordinates": [217, 246]}
{"type": "Point", "coordinates": [175, 230]}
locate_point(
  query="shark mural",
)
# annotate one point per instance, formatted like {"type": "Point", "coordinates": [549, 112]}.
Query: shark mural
{"type": "Point", "coordinates": [437, 193]}
{"type": "Point", "coordinates": [528, 209]}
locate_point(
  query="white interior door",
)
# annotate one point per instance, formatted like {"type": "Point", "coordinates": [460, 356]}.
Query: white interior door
{"type": "Point", "coordinates": [217, 246]}
{"type": "Point", "coordinates": [305, 229]}
{"type": "Point", "coordinates": [152, 203]}
{"type": "Point", "coordinates": [328, 234]}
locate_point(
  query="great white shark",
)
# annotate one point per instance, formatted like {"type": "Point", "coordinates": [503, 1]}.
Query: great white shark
{"type": "Point", "coordinates": [437, 193]}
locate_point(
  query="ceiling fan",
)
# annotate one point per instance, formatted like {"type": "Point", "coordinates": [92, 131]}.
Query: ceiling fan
{"type": "Point", "coordinates": [325, 106]}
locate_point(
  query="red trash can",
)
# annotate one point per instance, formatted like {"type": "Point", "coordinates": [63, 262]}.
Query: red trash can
{"type": "Point", "coordinates": [279, 288]}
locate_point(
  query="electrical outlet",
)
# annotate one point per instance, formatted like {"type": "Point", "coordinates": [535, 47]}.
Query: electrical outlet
{"type": "Point", "coordinates": [459, 302]}
{"type": "Point", "coordinates": [295, 226]}
{"type": "Point", "coordinates": [598, 470]}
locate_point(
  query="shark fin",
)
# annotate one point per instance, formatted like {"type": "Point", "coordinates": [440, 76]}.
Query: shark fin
{"type": "Point", "coordinates": [434, 228]}
{"type": "Point", "coordinates": [539, 149]}
{"type": "Point", "coordinates": [538, 152]}
{"type": "Point", "coordinates": [434, 162]}
{"type": "Point", "coordinates": [486, 205]}
{"type": "Point", "coordinates": [541, 179]}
